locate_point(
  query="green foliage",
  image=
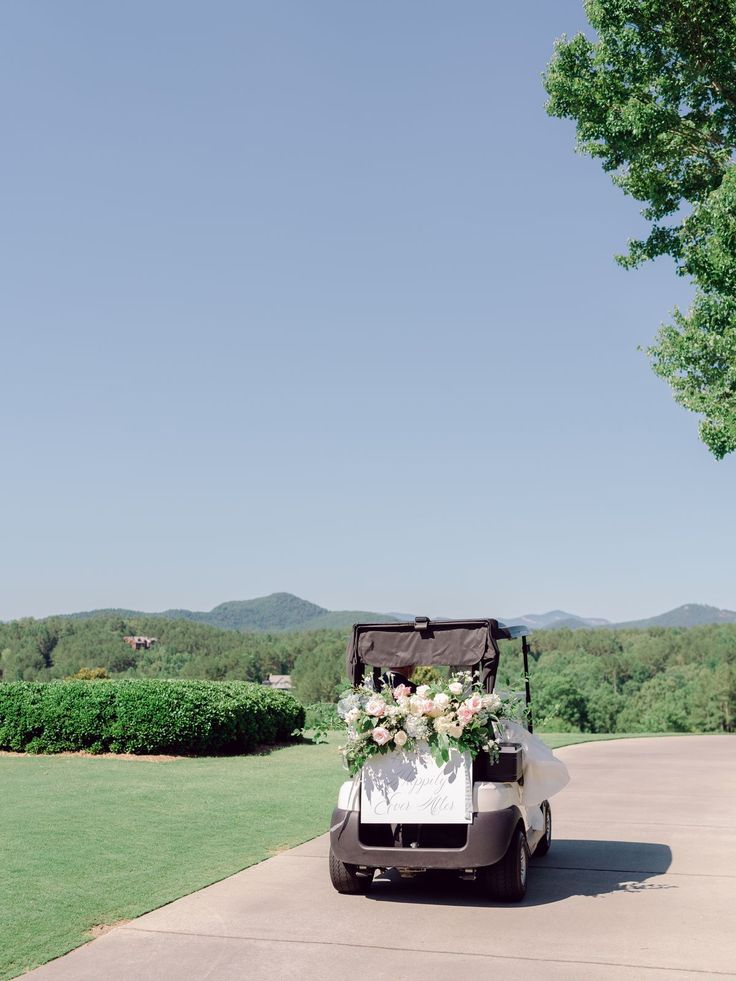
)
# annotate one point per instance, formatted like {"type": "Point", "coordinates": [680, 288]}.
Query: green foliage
{"type": "Point", "coordinates": [655, 680]}
{"type": "Point", "coordinates": [662, 704]}
{"type": "Point", "coordinates": [144, 716]}
{"type": "Point", "coordinates": [697, 356]}
{"type": "Point", "coordinates": [559, 697]}
{"type": "Point", "coordinates": [322, 714]}
{"type": "Point", "coordinates": [184, 649]}
{"type": "Point", "coordinates": [320, 719]}
{"type": "Point", "coordinates": [88, 674]}
{"type": "Point", "coordinates": [582, 679]}
{"type": "Point", "coordinates": [654, 98]}
{"type": "Point", "coordinates": [318, 674]}
{"type": "Point", "coordinates": [424, 675]}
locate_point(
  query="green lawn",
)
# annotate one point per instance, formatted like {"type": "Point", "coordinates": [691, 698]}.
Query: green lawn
{"type": "Point", "coordinates": [88, 841]}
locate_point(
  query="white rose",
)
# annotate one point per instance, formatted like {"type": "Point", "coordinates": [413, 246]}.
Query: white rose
{"type": "Point", "coordinates": [352, 716]}
{"type": "Point", "coordinates": [455, 730]}
{"type": "Point", "coordinates": [400, 738]}
{"type": "Point", "coordinates": [376, 706]}
{"type": "Point", "coordinates": [456, 688]}
{"type": "Point", "coordinates": [416, 705]}
{"type": "Point", "coordinates": [422, 690]}
{"type": "Point", "coordinates": [441, 701]}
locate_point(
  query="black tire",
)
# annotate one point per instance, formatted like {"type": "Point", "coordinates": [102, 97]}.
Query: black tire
{"type": "Point", "coordinates": [545, 842]}
{"type": "Point", "coordinates": [506, 880]}
{"type": "Point", "coordinates": [346, 878]}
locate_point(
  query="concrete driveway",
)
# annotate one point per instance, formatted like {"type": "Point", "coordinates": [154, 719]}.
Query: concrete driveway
{"type": "Point", "coordinates": [640, 883]}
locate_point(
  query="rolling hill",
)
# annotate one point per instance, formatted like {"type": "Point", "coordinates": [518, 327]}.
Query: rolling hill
{"type": "Point", "coordinates": [279, 611]}
{"type": "Point", "coordinates": [689, 615]}
{"type": "Point", "coordinates": [557, 619]}
{"type": "Point", "coordinates": [286, 612]}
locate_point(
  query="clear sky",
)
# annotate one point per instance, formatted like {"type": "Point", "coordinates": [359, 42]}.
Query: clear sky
{"type": "Point", "coordinates": [315, 297]}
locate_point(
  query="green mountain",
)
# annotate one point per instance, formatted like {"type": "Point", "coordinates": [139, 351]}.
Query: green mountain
{"type": "Point", "coordinates": [689, 615]}
{"type": "Point", "coordinates": [284, 611]}
{"type": "Point", "coordinates": [279, 611]}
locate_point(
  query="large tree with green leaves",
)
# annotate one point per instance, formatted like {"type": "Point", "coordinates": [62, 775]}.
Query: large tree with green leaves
{"type": "Point", "coordinates": [654, 98]}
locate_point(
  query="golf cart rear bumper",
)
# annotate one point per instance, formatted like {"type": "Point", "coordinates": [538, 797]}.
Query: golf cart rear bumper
{"type": "Point", "coordinates": [488, 838]}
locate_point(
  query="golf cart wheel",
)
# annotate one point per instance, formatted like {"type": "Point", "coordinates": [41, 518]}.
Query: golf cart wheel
{"type": "Point", "coordinates": [545, 841]}
{"type": "Point", "coordinates": [506, 880]}
{"type": "Point", "coordinates": [346, 878]}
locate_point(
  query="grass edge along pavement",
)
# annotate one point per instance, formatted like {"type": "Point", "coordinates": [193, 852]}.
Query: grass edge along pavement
{"type": "Point", "coordinates": [91, 841]}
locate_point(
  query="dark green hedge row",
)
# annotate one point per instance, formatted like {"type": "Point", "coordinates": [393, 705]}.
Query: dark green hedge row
{"type": "Point", "coordinates": [141, 715]}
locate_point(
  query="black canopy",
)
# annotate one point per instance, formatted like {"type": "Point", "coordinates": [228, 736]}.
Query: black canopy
{"type": "Point", "coordinates": [459, 643]}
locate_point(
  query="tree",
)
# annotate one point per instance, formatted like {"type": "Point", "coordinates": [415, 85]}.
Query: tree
{"type": "Point", "coordinates": [558, 699]}
{"type": "Point", "coordinates": [318, 675]}
{"type": "Point", "coordinates": [664, 703]}
{"type": "Point", "coordinates": [654, 98]}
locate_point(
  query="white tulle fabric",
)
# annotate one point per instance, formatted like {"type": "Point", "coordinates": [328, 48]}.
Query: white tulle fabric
{"type": "Point", "coordinates": [544, 774]}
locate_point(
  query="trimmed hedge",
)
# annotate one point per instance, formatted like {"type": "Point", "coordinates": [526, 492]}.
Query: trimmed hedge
{"type": "Point", "coordinates": [142, 715]}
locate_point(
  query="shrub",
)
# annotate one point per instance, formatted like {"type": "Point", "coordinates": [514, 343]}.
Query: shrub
{"type": "Point", "coordinates": [322, 715]}
{"type": "Point", "coordinates": [88, 674]}
{"type": "Point", "coordinates": [553, 723]}
{"type": "Point", "coordinates": [141, 715]}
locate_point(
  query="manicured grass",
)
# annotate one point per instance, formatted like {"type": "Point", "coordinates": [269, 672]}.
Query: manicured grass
{"type": "Point", "coordinates": [88, 841]}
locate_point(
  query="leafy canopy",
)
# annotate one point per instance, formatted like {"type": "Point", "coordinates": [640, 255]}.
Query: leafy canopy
{"type": "Point", "coordinates": [654, 98]}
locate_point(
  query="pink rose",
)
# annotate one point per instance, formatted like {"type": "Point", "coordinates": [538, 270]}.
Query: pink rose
{"type": "Point", "coordinates": [381, 735]}
{"type": "Point", "coordinates": [402, 691]}
{"type": "Point", "coordinates": [464, 714]}
{"type": "Point", "coordinates": [474, 703]}
{"type": "Point", "coordinates": [427, 706]}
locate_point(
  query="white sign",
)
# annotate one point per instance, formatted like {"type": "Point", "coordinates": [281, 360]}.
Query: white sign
{"type": "Point", "coordinates": [410, 788]}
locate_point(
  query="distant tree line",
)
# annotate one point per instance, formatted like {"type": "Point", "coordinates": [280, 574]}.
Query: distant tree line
{"type": "Point", "coordinates": [56, 648]}
{"type": "Point", "coordinates": [655, 680]}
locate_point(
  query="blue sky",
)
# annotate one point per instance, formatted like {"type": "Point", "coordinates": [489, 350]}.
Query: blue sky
{"type": "Point", "coordinates": [315, 297]}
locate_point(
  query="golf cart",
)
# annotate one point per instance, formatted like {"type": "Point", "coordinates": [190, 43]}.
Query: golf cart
{"type": "Point", "coordinates": [502, 826]}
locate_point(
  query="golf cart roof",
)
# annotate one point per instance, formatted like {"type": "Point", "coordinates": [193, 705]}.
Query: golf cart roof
{"type": "Point", "coordinates": [515, 630]}
{"type": "Point", "coordinates": [429, 642]}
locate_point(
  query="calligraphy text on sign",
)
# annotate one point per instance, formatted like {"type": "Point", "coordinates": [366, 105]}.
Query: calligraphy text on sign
{"type": "Point", "coordinates": [411, 788]}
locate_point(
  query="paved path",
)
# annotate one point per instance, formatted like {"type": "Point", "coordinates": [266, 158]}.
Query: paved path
{"type": "Point", "coordinates": [640, 883]}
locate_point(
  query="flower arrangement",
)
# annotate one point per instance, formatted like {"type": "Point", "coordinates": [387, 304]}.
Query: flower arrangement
{"type": "Point", "coordinates": [452, 714]}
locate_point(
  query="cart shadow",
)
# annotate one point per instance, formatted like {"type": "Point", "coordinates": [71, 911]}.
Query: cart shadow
{"type": "Point", "coordinates": [573, 867]}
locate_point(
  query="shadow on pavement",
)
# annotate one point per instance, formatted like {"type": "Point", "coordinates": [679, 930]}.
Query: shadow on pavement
{"type": "Point", "coordinates": [573, 867]}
